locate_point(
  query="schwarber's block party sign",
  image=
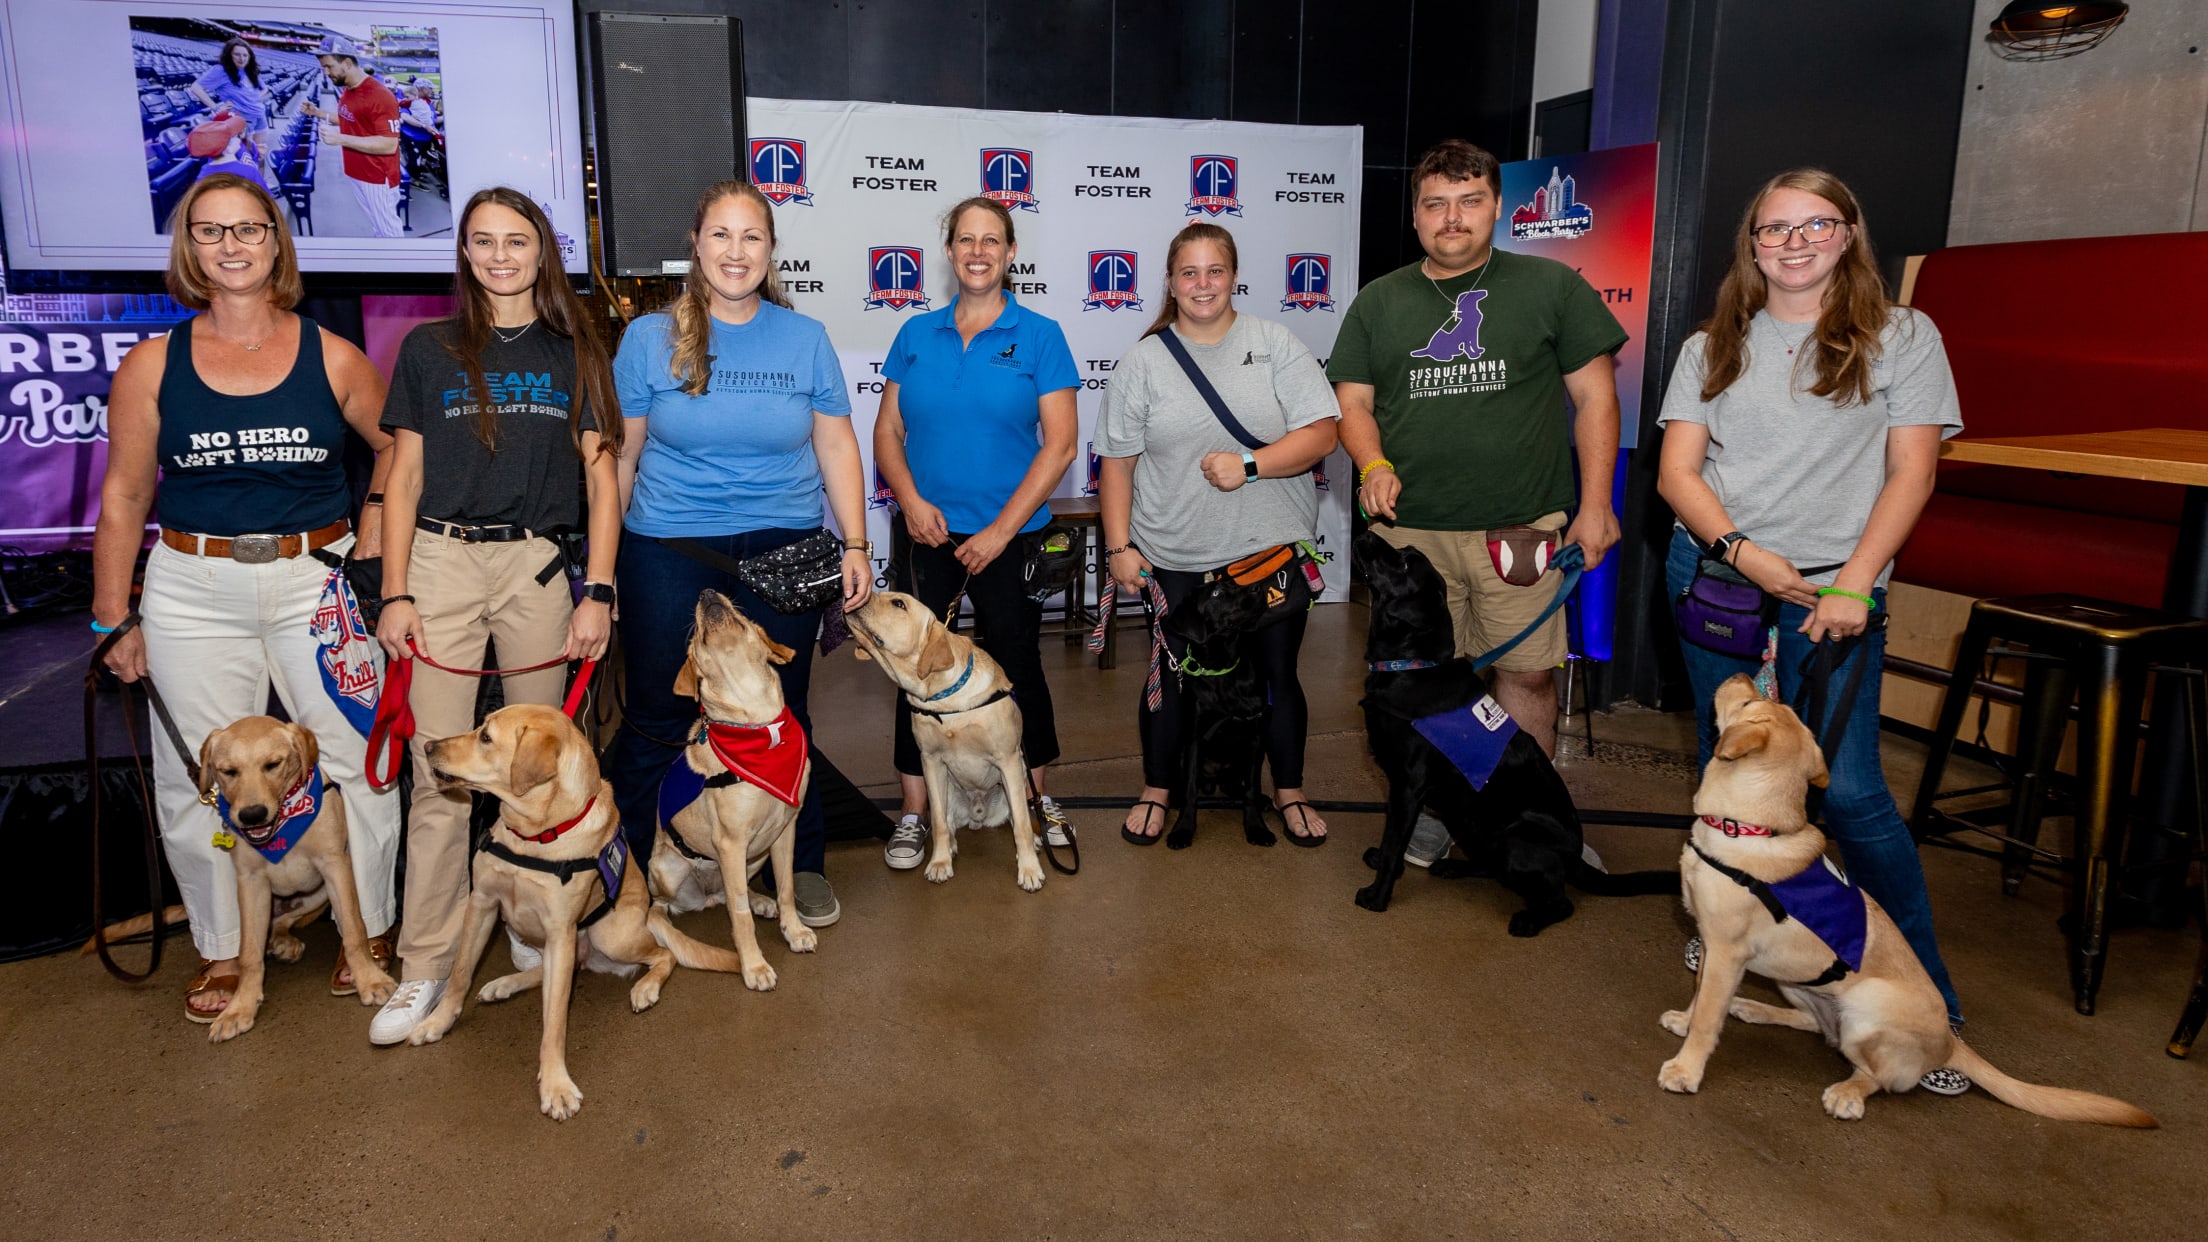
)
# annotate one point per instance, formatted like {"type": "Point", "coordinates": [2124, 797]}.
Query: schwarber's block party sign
{"type": "Point", "coordinates": [58, 354]}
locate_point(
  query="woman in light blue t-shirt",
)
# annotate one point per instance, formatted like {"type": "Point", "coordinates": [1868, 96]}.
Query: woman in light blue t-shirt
{"type": "Point", "coordinates": [234, 83]}
{"type": "Point", "coordinates": [738, 421]}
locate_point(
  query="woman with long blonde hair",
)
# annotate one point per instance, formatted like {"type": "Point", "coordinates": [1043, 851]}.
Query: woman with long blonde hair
{"type": "Point", "coordinates": [738, 421]}
{"type": "Point", "coordinates": [1801, 431]}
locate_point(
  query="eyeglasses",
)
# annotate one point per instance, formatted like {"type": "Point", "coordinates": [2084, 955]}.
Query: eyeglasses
{"type": "Point", "coordinates": [1815, 232]}
{"type": "Point", "coordinates": [208, 233]}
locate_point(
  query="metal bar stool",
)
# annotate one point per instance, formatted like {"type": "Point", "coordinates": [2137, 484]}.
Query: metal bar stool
{"type": "Point", "coordinates": [2105, 649]}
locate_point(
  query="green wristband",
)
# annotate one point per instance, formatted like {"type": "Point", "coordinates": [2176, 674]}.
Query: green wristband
{"type": "Point", "coordinates": [1857, 596]}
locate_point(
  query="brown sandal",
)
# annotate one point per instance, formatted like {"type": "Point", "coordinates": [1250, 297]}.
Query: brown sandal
{"type": "Point", "coordinates": [379, 952]}
{"type": "Point", "coordinates": [203, 983]}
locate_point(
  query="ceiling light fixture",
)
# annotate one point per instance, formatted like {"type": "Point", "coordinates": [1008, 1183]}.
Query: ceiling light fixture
{"type": "Point", "coordinates": [2039, 30]}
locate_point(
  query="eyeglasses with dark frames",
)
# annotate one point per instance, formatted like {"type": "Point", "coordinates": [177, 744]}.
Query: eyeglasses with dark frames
{"type": "Point", "coordinates": [1815, 232]}
{"type": "Point", "coordinates": [208, 233]}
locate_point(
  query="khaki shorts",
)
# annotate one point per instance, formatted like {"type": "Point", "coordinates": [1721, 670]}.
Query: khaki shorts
{"type": "Point", "coordinates": [1488, 611]}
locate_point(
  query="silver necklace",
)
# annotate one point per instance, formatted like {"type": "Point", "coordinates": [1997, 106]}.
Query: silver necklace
{"type": "Point", "coordinates": [1772, 321]}
{"type": "Point", "coordinates": [517, 332]}
{"type": "Point", "coordinates": [1485, 268]}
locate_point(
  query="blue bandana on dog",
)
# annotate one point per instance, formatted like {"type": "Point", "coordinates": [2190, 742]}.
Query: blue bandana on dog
{"type": "Point", "coordinates": [1829, 905]}
{"type": "Point", "coordinates": [276, 838]}
{"type": "Point", "coordinates": [1472, 737]}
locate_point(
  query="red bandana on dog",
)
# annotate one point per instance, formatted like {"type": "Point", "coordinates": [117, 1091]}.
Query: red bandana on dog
{"type": "Point", "coordinates": [770, 755]}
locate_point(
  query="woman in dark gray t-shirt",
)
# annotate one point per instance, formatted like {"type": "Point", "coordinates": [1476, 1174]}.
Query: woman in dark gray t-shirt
{"type": "Point", "coordinates": [502, 416]}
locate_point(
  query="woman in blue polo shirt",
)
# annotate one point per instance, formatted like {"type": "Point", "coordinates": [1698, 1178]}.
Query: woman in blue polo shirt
{"type": "Point", "coordinates": [740, 408]}
{"type": "Point", "coordinates": [977, 426]}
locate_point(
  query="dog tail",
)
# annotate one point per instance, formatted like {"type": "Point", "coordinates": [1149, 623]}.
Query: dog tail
{"type": "Point", "coordinates": [172, 918]}
{"type": "Point", "coordinates": [2059, 1103]}
{"type": "Point", "coordinates": [1596, 883]}
{"type": "Point", "coordinates": [693, 954]}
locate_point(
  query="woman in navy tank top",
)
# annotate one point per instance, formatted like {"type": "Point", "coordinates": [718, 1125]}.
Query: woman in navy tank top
{"type": "Point", "coordinates": [231, 432]}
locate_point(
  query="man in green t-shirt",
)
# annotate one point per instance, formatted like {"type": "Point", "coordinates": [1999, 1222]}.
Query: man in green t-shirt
{"type": "Point", "coordinates": [1451, 374]}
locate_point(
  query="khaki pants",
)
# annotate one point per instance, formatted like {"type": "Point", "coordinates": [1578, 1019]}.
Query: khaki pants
{"type": "Point", "coordinates": [1488, 611]}
{"type": "Point", "coordinates": [467, 593]}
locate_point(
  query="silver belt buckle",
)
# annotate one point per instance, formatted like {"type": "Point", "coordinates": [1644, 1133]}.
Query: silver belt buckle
{"type": "Point", "coordinates": [254, 549]}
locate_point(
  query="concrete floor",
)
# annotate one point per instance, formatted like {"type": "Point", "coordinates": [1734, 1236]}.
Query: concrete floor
{"type": "Point", "coordinates": [1213, 1043]}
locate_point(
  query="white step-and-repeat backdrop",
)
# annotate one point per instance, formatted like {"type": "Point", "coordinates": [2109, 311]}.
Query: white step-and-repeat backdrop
{"type": "Point", "coordinates": [860, 191]}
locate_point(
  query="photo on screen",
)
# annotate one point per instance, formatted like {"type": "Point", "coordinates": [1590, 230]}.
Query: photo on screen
{"type": "Point", "coordinates": [344, 125]}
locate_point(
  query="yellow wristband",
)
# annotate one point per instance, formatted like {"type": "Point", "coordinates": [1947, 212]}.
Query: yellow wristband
{"type": "Point", "coordinates": [1371, 466]}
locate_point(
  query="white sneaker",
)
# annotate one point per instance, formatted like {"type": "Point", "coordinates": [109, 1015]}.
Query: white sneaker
{"type": "Point", "coordinates": [908, 844]}
{"type": "Point", "coordinates": [405, 1011]}
{"type": "Point", "coordinates": [1057, 829]}
{"type": "Point", "coordinates": [525, 958]}
{"type": "Point", "coordinates": [1430, 841]}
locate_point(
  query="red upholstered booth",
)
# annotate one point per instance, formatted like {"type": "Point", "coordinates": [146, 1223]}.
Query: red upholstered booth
{"type": "Point", "coordinates": [2088, 334]}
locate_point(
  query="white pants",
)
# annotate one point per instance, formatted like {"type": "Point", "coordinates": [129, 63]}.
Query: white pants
{"type": "Point", "coordinates": [218, 634]}
{"type": "Point", "coordinates": [380, 203]}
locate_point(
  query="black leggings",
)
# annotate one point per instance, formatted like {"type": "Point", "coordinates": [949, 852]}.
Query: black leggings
{"type": "Point", "coordinates": [1009, 626]}
{"type": "Point", "coordinates": [1274, 648]}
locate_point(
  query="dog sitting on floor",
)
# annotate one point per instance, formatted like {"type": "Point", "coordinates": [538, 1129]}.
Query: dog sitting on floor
{"type": "Point", "coordinates": [1764, 899]}
{"type": "Point", "coordinates": [1225, 710]}
{"type": "Point", "coordinates": [264, 777]}
{"type": "Point", "coordinates": [1515, 822]}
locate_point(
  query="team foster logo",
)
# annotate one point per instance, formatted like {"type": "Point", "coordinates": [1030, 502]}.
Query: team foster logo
{"type": "Point", "coordinates": [1310, 283]}
{"type": "Point", "coordinates": [1211, 185]}
{"type": "Point", "coordinates": [1008, 178]}
{"type": "Point", "coordinates": [1111, 281]}
{"type": "Point", "coordinates": [893, 276]}
{"type": "Point", "coordinates": [882, 497]}
{"type": "Point", "coordinates": [1096, 471]}
{"type": "Point", "coordinates": [778, 170]}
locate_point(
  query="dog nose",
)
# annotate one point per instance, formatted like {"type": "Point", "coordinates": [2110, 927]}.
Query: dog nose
{"type": "Point", "coordinates": [714, 604]}
{"type": "Point", "coordinates": [251, 816]}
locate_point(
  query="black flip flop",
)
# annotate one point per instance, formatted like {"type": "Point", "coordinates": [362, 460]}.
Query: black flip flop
{"type": "Point", "coordinates": [1135, 838]}
{"type": "Point", "coordinates": [1307, 839]}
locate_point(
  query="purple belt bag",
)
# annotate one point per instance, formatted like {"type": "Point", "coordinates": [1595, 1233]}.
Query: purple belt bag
{"type": "Point", "coordinates": [1723, 612]}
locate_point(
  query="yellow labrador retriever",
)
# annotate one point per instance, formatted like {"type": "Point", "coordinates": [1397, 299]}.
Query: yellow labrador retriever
{"type": "Point", "coordinates": [264, 779]}
{"type": "Point", "coordinates": [965, 721]}
{"type": "Point", "coordinates": [1755, 879]}
{"type": "Point", "coordinates": [735, 790]}
{"type": "Point", "coordinates": [557, 871]}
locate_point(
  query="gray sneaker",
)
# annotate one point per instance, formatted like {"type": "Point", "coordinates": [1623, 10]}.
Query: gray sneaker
{"type": "Point", "coordinates": [1057, 829]}
{"type": "Point", "coordinates": [908, 844]}
{"type": "Point", "coordinates": [1430, 841]}
{"type": "Point", "coordinates": [816, 902]}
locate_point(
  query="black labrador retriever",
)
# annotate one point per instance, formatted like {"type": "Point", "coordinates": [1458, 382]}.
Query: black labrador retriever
{"type": "Point", "coordinates": [1521, 827]}
{"type": "Point", "coordinates": [1224, 709]}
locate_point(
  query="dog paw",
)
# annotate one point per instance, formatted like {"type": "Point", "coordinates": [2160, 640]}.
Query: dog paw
{"type": "Point", "coordinates": [432, 1028]}
{"type": "Point", "coordinates": [1258, 834]}
{"type": "Point", "coordinates": [1374, 858]}
{"type": "Point", "coordinates": [763, 906]}
{"type": "Point", "coordinates": [376, 987]}
{"type": "Point", "coordinates": [759, 977]}
{"type": "Point", "coordinates": [1180, 838]}
{"type": "Point", "coordinates": [233, 1022]}
{"type": "Point", "coordinates": [1456, 869]}
{"type": "Point", "coordinates": [1675, 1021]}
{"type": "Point", "coordinates": [801, 939]}
{"type": "Point", "coordinates": [1373, 897]}
{"type": "Point", "coordinates": [286, 948]}
{"type": "Point", "coordinates": [1031, 875]}
{"type": "Point", "coordinates": [558, 1097]}
{"type": "Point", "coordinates": [1844, 1101]}
{"type": "Point", "coordinates": [644, 995]}
{"type": "Point", "coordinates": [939, 870]}
{"type": "Point", "coordinates": [1676, 1077]}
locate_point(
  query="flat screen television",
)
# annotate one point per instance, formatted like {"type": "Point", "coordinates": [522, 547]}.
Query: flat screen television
{"type": "Point", "coordinates": [110, 109]}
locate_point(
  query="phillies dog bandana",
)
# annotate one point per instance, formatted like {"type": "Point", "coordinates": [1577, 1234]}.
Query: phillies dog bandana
{"type": "Point", "coordinates": [347, 659]}
{"type": "Point", "coordinates": [770, 755]}
{"type": "Point", "coordinates": [275, 839]}
{"type": "Point", "coordinates": [1829, 905]}
{"type": "Point", "coordinates": [1472, 737]}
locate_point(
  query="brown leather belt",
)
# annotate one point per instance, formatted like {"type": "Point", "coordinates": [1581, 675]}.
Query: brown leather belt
{"type": "Point", "coordinates": [257, 549]}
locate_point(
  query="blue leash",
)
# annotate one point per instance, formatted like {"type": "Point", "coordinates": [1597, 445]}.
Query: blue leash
{"type": "Point", "coordinates": [1573, 562]}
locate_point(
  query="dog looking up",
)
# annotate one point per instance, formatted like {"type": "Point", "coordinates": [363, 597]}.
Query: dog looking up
{"type": "Point", "coordinates": [265, 780]}
{"type": "Point", "coordinates": [1517, 823]}
{"type": "Point", "coordinates": [1764, 899]}
{"type": "Point", "coordinates": [1223, 736]}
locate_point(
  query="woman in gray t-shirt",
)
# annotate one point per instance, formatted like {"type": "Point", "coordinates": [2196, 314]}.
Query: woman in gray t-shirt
{"type": "Point", "coordinates": [1801, 431]}
{"type": "Point", "coordinates": [1179, 495]}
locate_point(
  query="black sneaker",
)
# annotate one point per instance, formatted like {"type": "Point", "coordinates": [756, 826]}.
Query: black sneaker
{"type": "Point", "coordinates": [1693, 954]}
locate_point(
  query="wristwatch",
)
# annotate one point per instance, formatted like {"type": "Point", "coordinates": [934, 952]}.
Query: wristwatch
{"type": "Point", "coordinates": [1723, 545]}
{"type": "Point", "coordinates": [599, 591]}
{"type": "Point", "coordinates": [1249, 466]}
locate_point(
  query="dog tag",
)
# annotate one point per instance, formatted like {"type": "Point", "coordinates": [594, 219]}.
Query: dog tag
{"type": "Point", "coordinates": [223, 839]}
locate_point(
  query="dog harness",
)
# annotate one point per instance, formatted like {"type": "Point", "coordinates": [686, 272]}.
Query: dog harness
{"type": "Point", "coordinates": [275, 838]}
{"type": "Point", "coordinates": [1822, 899]}
{"type": "Point", "coordinates": [954, 688]}
{"type": "Point", "coordinates": [1472, 737]}
{"type": "Point", "coordinates": [681, 786]}
{"type": "Point", "coordinates": [610, 863]}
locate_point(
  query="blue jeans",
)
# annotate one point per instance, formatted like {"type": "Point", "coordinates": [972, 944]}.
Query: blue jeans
{"type": "Point", "coordinates": [1859, 811]}
{"type": "Point", "coordinates": [659, 595]}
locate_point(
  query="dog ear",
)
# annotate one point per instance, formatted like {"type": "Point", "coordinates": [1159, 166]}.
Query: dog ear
{"type": "Point", "coordinates": [776, 652]}
{"type": "Point", "coordinates": [1745, 739]}
{"type": "Point", "coordinates": [305, 745]}
{"type": "Point", "coordinates": [207, 760]}
{"type": "Point", "coordinates": [935, 654]}
{"type": "Point", "coordinates": [536, 759]}
{"type": "Point", "coordinates": [686, 679]}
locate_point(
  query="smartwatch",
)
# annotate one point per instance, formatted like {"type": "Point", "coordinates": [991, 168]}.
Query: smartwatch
{"type": "Point", "coordinates": [599, 591]}
{"type": "Point", "coordinates": [1249, 466]}
{"type": "Point", "coordinates": [1724, 544]}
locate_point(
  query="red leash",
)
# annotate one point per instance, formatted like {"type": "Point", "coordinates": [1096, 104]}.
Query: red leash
{"type": "Point", "coordinates": [395, 715]}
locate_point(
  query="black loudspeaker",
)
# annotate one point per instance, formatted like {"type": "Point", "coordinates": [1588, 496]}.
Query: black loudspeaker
{"type": "Point", "coordinates": [667, 110]}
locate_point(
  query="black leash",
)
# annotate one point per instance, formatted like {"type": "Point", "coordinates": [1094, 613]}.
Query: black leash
{"type": "Point", "coordinates": [154, 886]}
